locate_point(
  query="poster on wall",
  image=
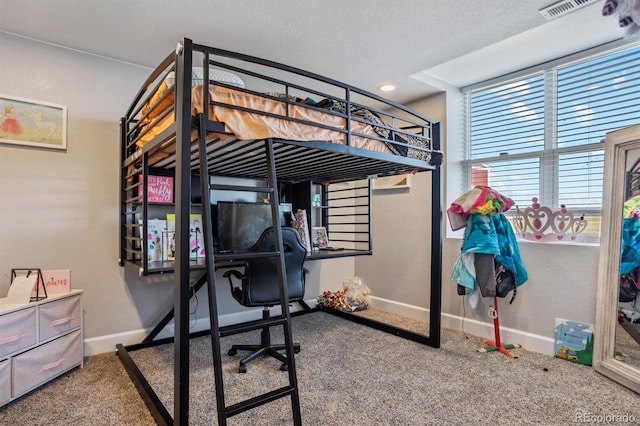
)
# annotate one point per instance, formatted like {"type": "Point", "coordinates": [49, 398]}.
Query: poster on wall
{"type": "Point", "coordinates": [33, 123]}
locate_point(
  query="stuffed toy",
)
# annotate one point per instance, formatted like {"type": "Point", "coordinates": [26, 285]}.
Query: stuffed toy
{"type": "Point", "coordinates": [628, 12]}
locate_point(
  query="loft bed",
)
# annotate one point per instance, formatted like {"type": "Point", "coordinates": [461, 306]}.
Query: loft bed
{"type": "Point", "coordinates": [264, 122]}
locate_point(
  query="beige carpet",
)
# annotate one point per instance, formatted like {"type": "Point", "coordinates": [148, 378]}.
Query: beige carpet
{"type": "Point", "coordinates": [348, 374]}
{"type": "Point", "coordinates": [396, 320]}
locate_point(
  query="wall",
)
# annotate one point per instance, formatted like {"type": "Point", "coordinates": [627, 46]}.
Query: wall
{"type": "Point", "coordinates": [562, 277]}
{"type": "Point", "coordinates": [60, 209]}
{"type": "Point", "coordinates": [399, 268]}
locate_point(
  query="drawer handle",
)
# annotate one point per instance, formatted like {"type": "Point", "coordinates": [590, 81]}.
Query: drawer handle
{"type": "Point", "coordinates": [51, 365]}
{"type": "Point", "coordinates": [11, 339]}
{"type": "Point", "coordinates": [60, 321]}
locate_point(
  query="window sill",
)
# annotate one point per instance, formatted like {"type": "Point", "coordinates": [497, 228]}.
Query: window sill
{"type": "Point", "coordinates": [547, 243]}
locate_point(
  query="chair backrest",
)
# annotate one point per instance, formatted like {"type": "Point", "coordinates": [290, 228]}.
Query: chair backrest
{"type": "Point", "coordinates": [260, 286]}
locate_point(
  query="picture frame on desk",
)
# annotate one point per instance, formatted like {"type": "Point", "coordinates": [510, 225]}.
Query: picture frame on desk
{"type": "Point", "coordinates": [319, 237]}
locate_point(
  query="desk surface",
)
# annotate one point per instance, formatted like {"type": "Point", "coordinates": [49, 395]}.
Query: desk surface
{"type": "Point", "coordinates": [226, 260]}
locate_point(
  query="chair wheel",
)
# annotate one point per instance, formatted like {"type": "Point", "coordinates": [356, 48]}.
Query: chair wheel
{"type": "Point", "coordinates": [232, 352]}
{"type": "Point", "coordinates": [284, 367]}
{"type": "Point", "coordinates": [242, 368]}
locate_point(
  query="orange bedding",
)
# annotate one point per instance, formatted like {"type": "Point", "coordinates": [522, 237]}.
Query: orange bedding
{"type": "Point", "coordinates": [253, 125]}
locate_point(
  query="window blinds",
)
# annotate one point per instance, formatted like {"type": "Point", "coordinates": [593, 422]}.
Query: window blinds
{"type": "Point", "coordinates": [542, 135]}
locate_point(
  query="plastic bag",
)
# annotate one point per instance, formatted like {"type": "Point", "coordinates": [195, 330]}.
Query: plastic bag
{"type": "Point", "coordinates": [356, 293]}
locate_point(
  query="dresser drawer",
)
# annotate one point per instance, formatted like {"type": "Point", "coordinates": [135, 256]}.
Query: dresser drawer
{"type": "Point", "coordinates": [59, 316]}
{"type": "Point", "coordinates": [36, 366]}
{"type": "Point", "coordinates": [17, 330]}
{"type": "Point", "coordinates": [5, 381]}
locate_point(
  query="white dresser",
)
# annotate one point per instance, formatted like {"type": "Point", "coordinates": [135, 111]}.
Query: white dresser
{"type": "Point", "coordinates": [38, 342]}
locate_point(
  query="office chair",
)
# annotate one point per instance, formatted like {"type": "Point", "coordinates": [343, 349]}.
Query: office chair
{"type": "Point", "coordinates": [259, 287]}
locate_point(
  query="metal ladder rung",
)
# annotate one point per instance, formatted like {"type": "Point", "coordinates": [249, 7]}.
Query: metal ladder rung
{"type": "Point", "coordinates": [256, 401]}
{"type": "Point", "coordinates": [132, 200]}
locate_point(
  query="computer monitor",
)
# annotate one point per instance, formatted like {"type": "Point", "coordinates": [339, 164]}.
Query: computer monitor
{"type": "Point", "coordinates": [240, 224]}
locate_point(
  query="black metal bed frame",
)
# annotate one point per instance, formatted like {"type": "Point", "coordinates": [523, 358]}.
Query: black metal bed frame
{"type": "Point", "coordinates": [228, 156]}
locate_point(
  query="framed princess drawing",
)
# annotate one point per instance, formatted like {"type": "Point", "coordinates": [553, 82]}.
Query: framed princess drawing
{"type": "Point", "coordinates": [32, 123]}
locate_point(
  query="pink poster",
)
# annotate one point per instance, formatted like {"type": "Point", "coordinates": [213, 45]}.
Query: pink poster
{"type": "Point", "coordinates": [160, 189]}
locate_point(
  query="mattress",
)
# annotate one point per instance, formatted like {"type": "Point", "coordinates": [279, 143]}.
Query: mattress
{"type": "Point", "coordinates": [249, 116]}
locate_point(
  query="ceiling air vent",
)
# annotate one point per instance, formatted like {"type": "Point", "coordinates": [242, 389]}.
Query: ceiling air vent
{"type": "Point", "coordinates": [563, 7]}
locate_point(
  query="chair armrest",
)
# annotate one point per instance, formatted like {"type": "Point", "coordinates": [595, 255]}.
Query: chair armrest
{"type": "Point", "coordinates": [232, 272]}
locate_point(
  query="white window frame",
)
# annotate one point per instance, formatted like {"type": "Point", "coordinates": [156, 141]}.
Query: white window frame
{"type": "Point", "coordinates": [549, 157]}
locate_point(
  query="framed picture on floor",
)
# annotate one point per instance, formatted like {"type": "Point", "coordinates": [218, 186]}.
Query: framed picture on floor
{"type": "Point", "coordinates": [33, 123]}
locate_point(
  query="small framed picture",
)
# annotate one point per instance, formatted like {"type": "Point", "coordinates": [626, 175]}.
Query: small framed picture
{"type": "Point", "coordinates": [319, 237]}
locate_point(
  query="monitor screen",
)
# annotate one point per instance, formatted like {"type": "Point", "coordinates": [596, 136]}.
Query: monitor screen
{"type": "Point", "coordinates": [240, 224]}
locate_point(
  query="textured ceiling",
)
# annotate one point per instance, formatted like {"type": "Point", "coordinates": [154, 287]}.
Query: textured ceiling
{"type": "Point", "coordinates": [360, 42]}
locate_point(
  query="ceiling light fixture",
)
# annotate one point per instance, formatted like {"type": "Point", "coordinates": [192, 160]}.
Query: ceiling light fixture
{"type": "Point", "coordinates": [388, 87]}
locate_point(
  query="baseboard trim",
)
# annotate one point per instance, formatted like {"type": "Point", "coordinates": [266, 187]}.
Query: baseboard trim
{"type": "Point", "coordinates": [530, 341]}
{"type": "Point", "coordinates": [107, 343]}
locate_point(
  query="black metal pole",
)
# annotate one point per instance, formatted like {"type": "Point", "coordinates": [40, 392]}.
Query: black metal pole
{"type": "Point", "coordinates": [183, 209]}
{"type": "Point", "coordinates": [436, 244]}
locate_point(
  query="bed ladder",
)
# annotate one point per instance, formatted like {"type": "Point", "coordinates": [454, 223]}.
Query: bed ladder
{"type": "Point", "coordinates": [291, 390]}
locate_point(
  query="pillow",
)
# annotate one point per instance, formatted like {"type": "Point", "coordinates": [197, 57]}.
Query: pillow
{"type": "Point", "coordinates": [196, 79]}
{"type": "Point", "coordinates": [214, 74]}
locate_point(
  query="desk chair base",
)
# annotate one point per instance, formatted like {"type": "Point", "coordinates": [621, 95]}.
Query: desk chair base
{"type": "Point", "coordinates": [265, 348]}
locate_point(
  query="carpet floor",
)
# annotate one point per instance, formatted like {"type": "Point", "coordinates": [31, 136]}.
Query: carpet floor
{"type": "Point", "coordinates": [348, 374]}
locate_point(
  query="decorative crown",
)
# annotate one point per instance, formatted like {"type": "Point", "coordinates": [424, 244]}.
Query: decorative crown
{"type": "Point", "coordinates": [540, 223]}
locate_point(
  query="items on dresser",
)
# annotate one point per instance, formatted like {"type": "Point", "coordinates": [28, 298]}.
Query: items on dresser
{"type": "Point", "coordinates": [27, 285]}
{"type": "Point", "coordinates": [38, 342]}
{"type": "Point", "coordinates": [56, 281]}
{"type": "Point", "coordinates": [43, 283]}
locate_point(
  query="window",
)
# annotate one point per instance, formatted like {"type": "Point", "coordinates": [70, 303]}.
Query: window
{"type": "Point", "coordinates": [542, 135]}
